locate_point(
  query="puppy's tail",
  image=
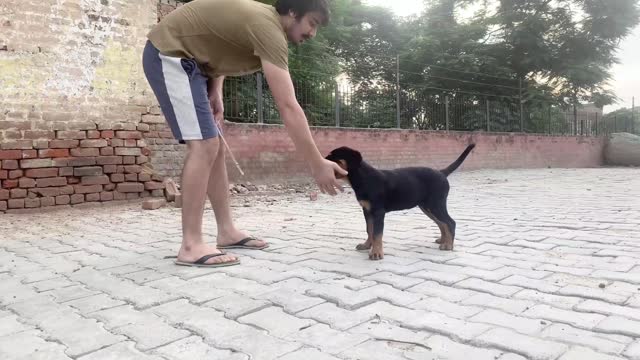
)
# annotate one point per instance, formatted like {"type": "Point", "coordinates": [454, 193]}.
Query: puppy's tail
{"type": "Point", "coordinates": [456, 164]}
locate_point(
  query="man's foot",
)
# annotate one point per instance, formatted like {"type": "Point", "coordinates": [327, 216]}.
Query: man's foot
{"type": "Point", "coordinates": [239, 240]}
{"type": "Point", "coordinates": [215, 256]}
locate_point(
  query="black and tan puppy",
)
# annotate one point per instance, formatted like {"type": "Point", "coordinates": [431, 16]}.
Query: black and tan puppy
{"type": "Point", "coordinates": [383, 191]}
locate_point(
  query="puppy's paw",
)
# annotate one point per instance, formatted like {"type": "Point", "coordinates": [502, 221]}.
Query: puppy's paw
{"type": "Point", "coordinates": [363, 246]}
{"type": "Point", "coordinates": [376, 254]}
{"type": "Point", "coordinates": [446, 246]}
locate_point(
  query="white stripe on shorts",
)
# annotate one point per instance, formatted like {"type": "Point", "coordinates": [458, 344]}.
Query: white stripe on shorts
{"type": "Point", "coordinates": [179, 90]}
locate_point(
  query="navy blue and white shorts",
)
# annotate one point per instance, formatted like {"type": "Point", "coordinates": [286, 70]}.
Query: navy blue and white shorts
{"type": "Point", "coordinates": [181, 90]}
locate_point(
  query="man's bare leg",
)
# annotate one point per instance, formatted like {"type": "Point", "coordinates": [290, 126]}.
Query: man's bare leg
{"type": "Point", "coordinates": [198, 165]}
{"type": "Point", "coordinates": [219, 196]}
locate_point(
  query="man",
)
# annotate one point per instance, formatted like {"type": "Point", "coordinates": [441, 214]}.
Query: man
{"type": "Point", "coordinates": [185, 61]}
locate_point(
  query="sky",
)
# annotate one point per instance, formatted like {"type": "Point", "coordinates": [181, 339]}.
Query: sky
{"type": "Point", "coordinates": [626, 75]}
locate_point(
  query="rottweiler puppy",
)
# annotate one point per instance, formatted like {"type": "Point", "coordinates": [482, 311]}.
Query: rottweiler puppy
{"type": "Point", "coordinates": [383, 191]}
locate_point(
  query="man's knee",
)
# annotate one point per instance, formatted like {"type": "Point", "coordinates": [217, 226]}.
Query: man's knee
{"type": "Point", "coordinates": [205, 149]}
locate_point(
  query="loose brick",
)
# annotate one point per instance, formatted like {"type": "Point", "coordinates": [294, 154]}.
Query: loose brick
{"type": "Point", "coordinates": [92, 197]}
{"type": "Point", "coordinates": [71, 135]}
{"type": "Point", "coordinates": [77, 198]}
{"type": "Point", "coordinates": [9, 184]}
{"type": "Point", "coordinates": [14, 174]}
{"type": "Point", "coordinates": [153, 204]}
{"type": "Point", "coordinates": [124, 151]}
{"type": "Point", "coordinates": [10, 154]}
{"type": "Point", "coordinates": [121, 134]}
{"type": "Point", "coordinates": [131, 177]}
{"type": "Point", "coordinates": [132, 195]}
{"type": "Point", "coordinates": [63, 144]}
{"type": "Point", "coordinates": [128, 160]}
{"type": "Point", "coordinates": [109, 160]}
{"type": "Point", "coordinates": [49, 182]}
{"type": "Point", "coordinates": [95, 180]}
{"type": "Point", "coordinates": [106, 196]}
{"type": "Point", "coordinates": [47, 201]}
{"type": "Point", "coordinates": [107, 151]}
{"type": "Point", "coordinates": [88, 171]}
{"type": "Point", "coordinates": [87, 189]}
{"type": "Point", "coordinates": [63, 200]}
{"type": "Point", "coordinates": [4, 194]}
{"type": "Point", "coordinates": [31, 194]}
{"type": "Point", "coordinates": [10, 164]}
{"type": "Point", "coordinates": [18, 193]}
{"type": "Point", "coordinates": [93, 134]}
{"type": "Point", "coordinates": [17, 145]}
{"type": "Point", "coordinates": [85, 152]}
{"type": "Point", "coordinates": [41, 173]}
{"type": "Point", "coordinates": [53, 153]}
{"type": "Point", "coordinates": [66, 171]}
{"type": "Point", "coordinates": [117, 178]}
{"type": "Point", "coordinates": [32, 203]}
{"type": "Point", "coordinates": [109, 187]}
{"type": "Point", "coordinates": [26, 182]}
{"type": "Point", "coordinates": [107, 134]}
{"type": "Point", "coordinates": [15, 203]}
{"type": "Point", "coordinates": [97, 143]}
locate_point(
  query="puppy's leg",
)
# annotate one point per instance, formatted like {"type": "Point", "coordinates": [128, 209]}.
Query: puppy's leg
{"type": "Point", "coordinates": [376, 252]}
{"type": "Point", "coordinates": [440, 212]}
{"type": "Point", "coordinates": [367, 244]}
{"type": "Point", "coordinates": [427, 212]}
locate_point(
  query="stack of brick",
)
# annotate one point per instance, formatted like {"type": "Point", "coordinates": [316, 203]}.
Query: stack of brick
{"type": "Point", "coordinates": [93, 164]}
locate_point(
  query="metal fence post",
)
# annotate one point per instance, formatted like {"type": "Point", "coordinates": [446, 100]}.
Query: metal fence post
{"type": "Point", "coordinates": [338, 100]}
{"type": "Point", "coordinates": [550, 122]}
{"type": "Point", "coordinates": [521, 106]}
{"type": "Point", "coordinates": [398, 91]}
{"type": "Point", "coordinates": [488, 117]}
{"type": "Point", "coordinates": [633, 116]}
{"type": "Point", "coordinates": [446, 111]}
{"type": "Point", "coordinates": [259, 99]}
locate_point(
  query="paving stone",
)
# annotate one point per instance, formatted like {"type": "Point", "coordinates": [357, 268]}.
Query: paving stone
{"type": "Point", "coordinates": [528, 346]}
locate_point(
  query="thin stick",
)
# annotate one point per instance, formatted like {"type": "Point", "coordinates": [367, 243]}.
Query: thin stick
{"type": "Point", "coordinates": [229, 149]}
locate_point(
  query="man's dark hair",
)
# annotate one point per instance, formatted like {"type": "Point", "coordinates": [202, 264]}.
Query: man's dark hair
{"type": "Point", "coordinates": [302, 7]}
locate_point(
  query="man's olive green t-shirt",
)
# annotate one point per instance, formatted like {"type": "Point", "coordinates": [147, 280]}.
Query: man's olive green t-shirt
{"type": "Point", "coordinates": [225, 37]}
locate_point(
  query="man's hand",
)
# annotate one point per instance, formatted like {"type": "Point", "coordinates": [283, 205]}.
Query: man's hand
{"type": "Point", "coordinates": [324, 173]}
{"type": "Point", "coordinates": [215, 98]}
{"type": "Point", "coordinates": [217, 106]}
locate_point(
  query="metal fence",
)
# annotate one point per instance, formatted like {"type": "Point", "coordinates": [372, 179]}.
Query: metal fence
{"type": "Point", "coordinates": [327, 103]}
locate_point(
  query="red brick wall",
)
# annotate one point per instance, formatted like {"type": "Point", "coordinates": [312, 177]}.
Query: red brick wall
{"type": "Point", "coordinates": [265, 152]}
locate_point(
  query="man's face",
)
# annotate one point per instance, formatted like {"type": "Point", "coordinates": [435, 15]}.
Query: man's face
{"type": "Point", "coordinates": [305, 28]}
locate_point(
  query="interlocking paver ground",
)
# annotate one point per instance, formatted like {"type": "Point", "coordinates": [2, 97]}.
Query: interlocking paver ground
{"type": "Point", "coordinates": [546, 266]}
